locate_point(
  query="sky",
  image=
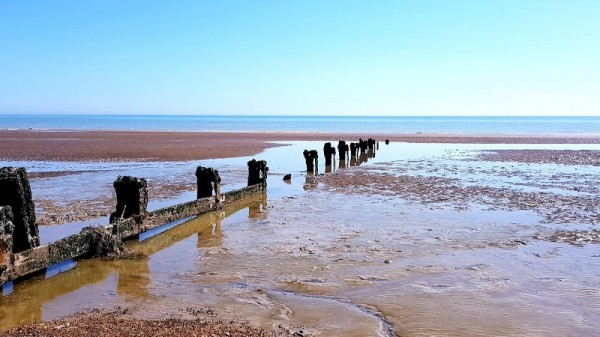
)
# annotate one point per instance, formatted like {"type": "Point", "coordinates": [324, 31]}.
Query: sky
{"type": "Point", "coordinates": [415, 58]}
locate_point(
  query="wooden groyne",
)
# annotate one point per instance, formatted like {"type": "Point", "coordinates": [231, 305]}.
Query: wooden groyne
{"type": "Point", "coordinates": [21, 255]}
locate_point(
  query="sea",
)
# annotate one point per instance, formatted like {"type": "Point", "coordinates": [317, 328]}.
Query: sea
{"type": "Point", "coordinates": [588, 125]}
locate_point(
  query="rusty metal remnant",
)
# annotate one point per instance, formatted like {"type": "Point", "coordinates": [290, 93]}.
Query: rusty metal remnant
{"type": "Point", "coordinates": [312, 160]}
{"type": "Point", "coordinates": [16, 193]}
{"type": "Point", "coordinates": [208, 179]}
{"type": "Point", "coordinates": [329, 153]}
{"type": "Point", "coordinates": [257, 172]}
{"type": "Point", "coordinates": [6, 243]}
{"type": "Point", "coordinates": [132, 198]}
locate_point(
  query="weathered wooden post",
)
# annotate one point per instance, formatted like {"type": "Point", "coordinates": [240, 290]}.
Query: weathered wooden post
{"type": "Point", "coordinates": [16, 193]}
{"type": "Point", "coordinates": [343, 150]}
{"type": "Point", "coordinates": [312, 160]}
{"type": "Point", "coordinates": [257, 172]}
{"type": "Point", "coordinates": [329, 153]}
{"type": "Point", "coordinates": [354, 149]}
{"type": "Point", "coordinates": [363, 145]}
{"type": "Point", "coordinates": [208, 179]}
{"type": "Point", "coordinates": [132, 198]}
{"type": "Point", "coordinates": [371, 143]}
{"type": "Point", "coordinates": [6, 243]}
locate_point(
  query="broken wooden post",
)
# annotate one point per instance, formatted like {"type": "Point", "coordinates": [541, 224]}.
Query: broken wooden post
{"type": "Point", "coordinates": [354, 149]}
{"type": "Point", "coordinates": [208, 179]}
{"type": "Point", "coordinates": [371, 143]}
{"type": "Point", "coordinates": [257, 172]}
{"type": "Point", "coordinates": [329, 153]}
{"type": "Point", "coordinates": [132, 198]}
{"type": "Point", "coordinates": [16, 193]}
{"type": "Point", "coordinates": [6, 243]}
{"type": "Point", "coordinates": [343, 150]}
{"type": "Point", "coordinates": [363, 145]}
{"type": "Point", "coordinates": [312, 160]}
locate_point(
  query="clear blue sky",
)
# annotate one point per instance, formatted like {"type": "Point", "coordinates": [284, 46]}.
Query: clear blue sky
{"type": "Point", "coordinates": [322, 57]}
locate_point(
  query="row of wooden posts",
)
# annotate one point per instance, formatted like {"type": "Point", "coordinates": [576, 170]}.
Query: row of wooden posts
{"type": "Point", "coordinates": [21, 253]}
{"type": "Point", "coordinates": [346, 151]}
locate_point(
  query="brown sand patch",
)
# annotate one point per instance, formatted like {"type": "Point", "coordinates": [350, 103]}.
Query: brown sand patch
{"type": "Point", "coordinates": [451, 192]}
{"type": "Point", "coordinates": [563, 157]}
{"type": "Point", "coordinates": [181, 146]}
{"type": "Point", "coordinates": [574, 237]}
{"type": "Point", "coordinates": [114, 324]}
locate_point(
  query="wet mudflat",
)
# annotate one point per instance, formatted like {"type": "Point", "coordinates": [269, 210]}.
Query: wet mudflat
{"type": "Point", "coordinates": [419, 240]}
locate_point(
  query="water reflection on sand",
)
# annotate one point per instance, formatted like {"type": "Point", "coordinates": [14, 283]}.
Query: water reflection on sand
{"type": "Point", "coordinates": [341, 261]}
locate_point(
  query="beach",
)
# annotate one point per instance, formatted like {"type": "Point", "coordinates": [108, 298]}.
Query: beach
{"type": "Point", "coordinates": [172, 146]}
{"type": "Point", "coordinates": [433, 234]}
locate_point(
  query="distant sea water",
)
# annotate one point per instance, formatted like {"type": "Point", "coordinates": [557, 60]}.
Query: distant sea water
{"type": "Point", "coordinates": [338, 124]}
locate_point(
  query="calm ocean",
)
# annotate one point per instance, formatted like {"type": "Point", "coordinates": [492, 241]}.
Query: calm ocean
{"type": "Point", "coordinates": [391, 125]}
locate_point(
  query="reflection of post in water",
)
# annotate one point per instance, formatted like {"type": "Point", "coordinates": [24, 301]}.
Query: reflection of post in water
{"type": "Point", "coordinates": [27, 303]}
{"type": "Point", "coordinates": [258, 209]}
{"type": "Point", "coordinates": [134, 277]}
{"type": "Point", "coordinates": [363, 158]}
{"type": "Point", "coordinates": [311, 181]}
{"type": "Point", "coordinates": [211, 236]}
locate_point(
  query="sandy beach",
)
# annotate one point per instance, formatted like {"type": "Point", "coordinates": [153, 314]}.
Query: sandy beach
{"type": "Point", "coordinates": [180, 146]}
{"type": "Point", "coordinates": [428, 222]}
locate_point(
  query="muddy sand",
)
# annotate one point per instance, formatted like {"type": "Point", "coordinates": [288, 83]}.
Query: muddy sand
{"type": "Point", "coordinates": [118, 324]}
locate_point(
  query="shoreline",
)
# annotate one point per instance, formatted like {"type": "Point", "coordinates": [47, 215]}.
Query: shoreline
{"type": "Point", "coordinates": [114, 146]}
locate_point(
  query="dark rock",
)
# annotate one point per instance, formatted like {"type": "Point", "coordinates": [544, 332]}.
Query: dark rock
{"type": "Point", "coordinates": [287, 177]}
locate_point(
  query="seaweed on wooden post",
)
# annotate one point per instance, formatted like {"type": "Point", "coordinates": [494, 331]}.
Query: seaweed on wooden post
{"type": "Point", "coordinates": [6, 243]}
{"type": "Point", "coordinates": [132, 198]}
{"type": "Point", "coordinates": [208, 179]}
{"type": "Point", "coordinates": [16, 193]}
{"type": "Point", "coordinates": [257, 172]}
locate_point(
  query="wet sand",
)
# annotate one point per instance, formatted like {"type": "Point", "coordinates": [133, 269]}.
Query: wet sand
{"type": "Point", "coordinates": [440, 245]}
{"type": "Point", "coordinates": [181, 146]}
{"type": "Point", "coordinates": [117, 324]}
